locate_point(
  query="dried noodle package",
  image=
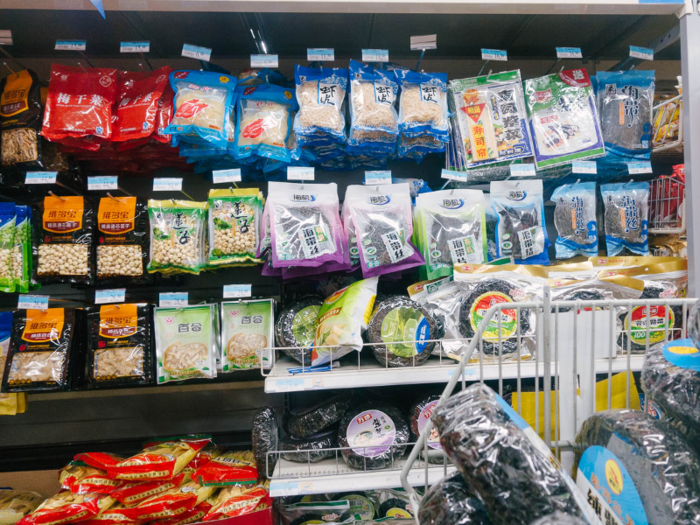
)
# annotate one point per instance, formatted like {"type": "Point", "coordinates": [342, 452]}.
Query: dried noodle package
{"type": "Point", "coordinates": [238, 500]}
{"type": "Point", "coordinates": [131, 494]}
{"type": "Point", "coordinates": [80, 478]}
{"type": "Point", "coordinates": [302, 423]}
{"type": "Point", "coordinates": [20, 121]}
{"type": "Point", "coordinates": [626, 217]}
{"type": "Point", "coordinates": [178, 235]}
{"type": "Point", "coordinates": [246, 334]}
{"type": "Point", "coordinates": [234, 225]}
{"type": "Point", "coordinates": [423, 103]}
{"type": "Point", "coordinates": [15, 504]}
{"type": "Point", "coordinates": [170, 504]}
{"type": "Point", "coordinates": [452, 502]}
{"type": "Point", "coordinates": [265, 439]}
{"type": "Point", "coordinates": [575, 220]}
{"type": "Point", "coordinates": [373, 116]}
{"type": "Point", "coordinates": [321, 96]}
{"type": "Point", "coordinates": [66, 507]}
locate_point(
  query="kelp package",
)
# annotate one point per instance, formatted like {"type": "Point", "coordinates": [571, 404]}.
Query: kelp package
{"type": "Point", "coordinates": [575, 220]}
{"type": "Point", "coordinates": [452, 501]}
{"type": "Point", "coordinates": [521, 232]}
{"type": "Point", "coordinates": [246, 335]}
{"type": "Point", "coordinates": [381, 216]}
{"type": "Point", "coordinates": [563, 118]}
{"type": "Point", "coordinates": [423, 104]}
{"type": "Point", "coordinates": [8, 218]}
{"type": "Point", "coordinates": [450, 229]}
{"type": "Point", "coordinates": [321, 95]}
{"type": "Point", "coordinates": [119, 345]}
{"type": "Point", "coordinates": [20, 121]}
{"type": "Point", "coordinates": [626, 217]}
{"type": "Point", "coordinates": [178, 231]}
{"type": "Point", "coordinates": [22, 249]}
{"type": "Point", "coordinates": [234, 225]}
{"type": "Point", "coordinates": [492, 118]}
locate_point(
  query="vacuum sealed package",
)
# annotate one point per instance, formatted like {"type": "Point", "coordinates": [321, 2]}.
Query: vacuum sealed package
{"type": "Point", "coordinates": [228, 468]}
{"type": "Point", "coordinates": [8, 218]}
{"type": "Point", "coordinates": [265, 438]}
{"type": "Point", "coordinates": [381, 216]}
{"type": "Point", "coordinates": [521, 232]}
{"type": "Point", "coordinates": [234, 225]}
{"type": "Point", "coordinates": [575, 220]}
{"type": "Point", "coordinates": [636, 469]}
{"type": "Point", "coordinates": [321, 96]}
{"type": "Point", "coordinates": [342, 319]}
{"type": "Point", "coordinates": [373, 116]}
{"type": "Point", "coordinates": [419, 414]}
{"type": "Point", "coordinates": [20, 121]}
{"type": "Point", "coordinates": [63, 240]}
{"type": "Point", "coordinates": [246, 334]}
{"type": "Point", "coordinates": [295, 329]}
{"type": "Point", "coordinates": [66, 507]}
{"type": "Point", "coordinates": [22, 249]}
{"type": "Point", "coordinates": [626, 217]}
{"type": "Point", "coordinates": [178, 235]}
{"type": "Point", "coordinates": [492, 120]}
{"type": "Point", "coordinates": [373, 436]}
{"type": "Point", "coordinates": [502, 459]}
{"type": "Point", "coordinates": [186, 342]}
{"type": "Point", "coordinates": [313, 512]}
{"type": "Point", "coordinates": [303, 423]}
{"type": "Point", "coordinates": [203, 103]}
{"type": "Point", "coordinates": [452, 502]}
{"type": "Point", "coordinates": [563, 118]}
{"type": "Point", "coordinates": [450, 229]}
{"type": "Point", "coordinates": [423, 103]}
{"type": "Point", "coordinates": [311, 449]}
{"type": "Point", "coordinates": [15, 504]}
{"type": "Point", "coordinates": [119, 345]}
{"type": "Point", "coordinates": [41, 350]}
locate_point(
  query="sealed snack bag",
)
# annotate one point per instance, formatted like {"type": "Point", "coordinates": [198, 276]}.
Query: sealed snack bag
{"type": "Point", "coordinates": [563, 118]}
{"type": "Point", "coordinates": [450, 229]}
{"type": "Point", "coordinates": [178, 231]}
{"type": "Point", "coordinates": [194, 515]}
{"type": "Point", "coordinates": [238, 500]}
{"type": "Point", "coordinates": [626, 217]}
{"type": "Point", "coordinates": [22, 249]}
{"type": "Point", "coordinates": [234, 225]}
{"type": "Point", "coordinates": [228, 468]}
{"type": "Point", "coordinates": [131, 494]}
{"type": "Point", "coordinates": [321, 96]}
{"type": "Point", "coordinates": [15, 504]}
{"type": "Point", "coordinates": [521, 232]}
{"type": "Point", "coordinates": [164, 114]}
{"type": "Point", "coordinates": [20, 121]}
{"type": "Point", "coordinates": [186, 342]}
{"type": "Point", "coordinates": [246, 334]}
{"type": "Point", "coordinates": [7, 242]}
{"type": "Point", "coordinates": [66, 507]}
{"type": "Point", "coordinates": [170, 504]}
{"type": "Point", "coordinates": [115, 515]}
{"type": "Point", "coordinates": [423, 103]}
{"type": "Point", "coordinates": [80, 478]}
{"type": "Point", "coordinates": [10, 404]}
{"type": "Point", "coordinates": [575, 220]}
{"type": "Point", "coordinates": [373, 116]}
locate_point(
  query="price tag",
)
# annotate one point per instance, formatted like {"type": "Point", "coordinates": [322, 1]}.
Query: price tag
{"type": "Point", "coordinates": [221, 176]}
{"type": "Point", "coordinates": [117, 295]}
{"type": "Point", "coordinates": [167, 184]}
{"type": "Point", "coordinates": [454, 175]}
{"type": "Point", "coordinates": [522, 170]}
{"type": "Point", "coordinates": [420, 43]}
{"type": "Point", "coordinates": [494, 54]}
{"type": "Point", "coordinates": [586, 167]}
{"type": "Point", "coordinates": [278, 490]}
{"type": "Point", "coordinates": [377, 177]}
{"type": "Point", "coordinates": [173, 299]}
{"type": "Point", "coordinates": [33, 302]}
{"type": "Point", "coordinates": [641, 52]}
{"type": "Point", "coordinates": [134, 47]}
{"type": "Point", "coordinates": [569, 52]}
{"type": "Point", "coordinates": [5, 37]}
{"type": "Point", "coordinates": [637, 168]}
{"type": "Point", "coordinates": [320, 54]}
{"type": "Point", "coordinates": [300, 173]}
{"type": "Point", "coordinates": [70, 45]}
{"type": "Point", "coordinates": [236, 291]}
{"type": "Point", "coordinates": [261, 61]}
{"type": "Point", "coordinates": [40, 177]}
{"type": "Point", "coordinates": [375, 55]}
{"type": "Point", "coordinates": [196, 52]}
{"type": "Point", "coordinates": [110, 182]}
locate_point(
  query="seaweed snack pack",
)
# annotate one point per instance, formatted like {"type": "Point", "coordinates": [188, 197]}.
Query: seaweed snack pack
{"type": "Point", "coordinates": [521, 232]}
{"type": "Point", "coordinates": [15, 504]}
{"type": "Point", "coordinates": [563, 118]}
{"type": "Point", "coordinates": [66, 507]}
{"type": "Point", "coordinates": [373, 116]}
{"type": "Point", "coordinates": [295, 328]}
{"type": "Point", "coordinates": [492, 119]}
{"type": "Point", "coordinates": [575, 220]}
{"type": "Point", "coordinates": [303, 423]}
{"type": "Point", "coordinates": [423, 104]}
{"type": "Point", "coordinates": [452, 500]}
{"type": "Point", "coordinates": [626, 217]}
{"type": "Point", "coordinates": [450, 229]}
{"type": "Point", "coordinates": [265, 437]}
{"type": "Point", "coordinates": [64, 239]}
{"type": "Point", "coordinates": [8, 219]}
{"type": "Point", "coordinates": [22, 249]}
{"type": "Point", "coordinates": [321, 96]}
{"type": "Point", "coordinates": [246, 335]}
{"type": "Point", "coordinates": [312, 449]}
{"type": "Point", "coordinates": [186, 342]}
{"type": "Point", "coordinates": [20, 121]}
{"type": "Point", "coordinates": [119, 345]}
{"type": "Point", "coordinates": [234, 226]}
{"type": "Point", "coordinates": [178, 230]}
{"type": "Point", "coordinates": [419, 414]}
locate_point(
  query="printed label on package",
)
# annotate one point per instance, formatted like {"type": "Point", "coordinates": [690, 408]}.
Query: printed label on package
{"type": "Point", "coordinates": [221, 176]}
{"type": "Point", "coordinates": [196, 52]}
{"type": "Point", "coordinates": [531, 241]}
{"type": "Point", "coordinates": [116, 295]}
{"type": "Point", "coordinates": [108, 182]}
{"type": "Point", "coordinates": [466, 250]}
{"type": "Point", "coordinates": [375, 55]}
{"type": "Point", "coordinates": [494, 54]}
{"type": "Point", "coordinates": [70, 45]}
{"type": "Point", "coordinates": [237, 291]}
{"type": "Point", "coordinates": [262, 61]}
{"type": "Point", "coordinates": [300, 173]}
{"type": "Point", "coordinates": [173, 299]}
{"type": "Point", "coordinates": [134, 47]}
{"type": "Point", "coordinates": [314, 54]}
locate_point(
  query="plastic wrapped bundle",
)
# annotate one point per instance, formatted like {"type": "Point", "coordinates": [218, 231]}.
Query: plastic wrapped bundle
{"type": "Point", "coordinates": [311, 449]}
{"type": "Point", "coordinates": [265, 439]}
{"type": "Point", "coordinates": [575, 220]}
{"type": "Point", "coordinates": [451, 502]}
{"type": "Point", "coordinates": [306, 422]}
{"type": "Point", "coordinates": [296, 327]}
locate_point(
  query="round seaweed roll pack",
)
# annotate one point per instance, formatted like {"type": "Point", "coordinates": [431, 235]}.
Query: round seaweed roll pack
{"type": "Point", "coordinates": [296, 327]}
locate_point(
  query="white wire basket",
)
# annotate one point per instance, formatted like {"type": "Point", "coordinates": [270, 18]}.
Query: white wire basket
{"type": "Point", "coordinates": [668, 137]}
{"type": "Point", "coordinates": [667, 206]}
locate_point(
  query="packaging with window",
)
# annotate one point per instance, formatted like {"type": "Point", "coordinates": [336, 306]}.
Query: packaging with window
{"type": "Point", "coordinates": [626, 217]}
{"type": "Point", "coordinates": [246, 334]}
{"type": "Point", "coordinates": [423, 103]}
{"type": "Point", "coordinates": [234, 226]}
{"type": "Point", "coordinates": [178, 236]}
{"type": "Point", "coordinates": [22, 249]}
{"type": "Point", "coordinates": [66, 507]}
{"type": "Point", "coordinates": [373, 113]}
{"type": "Point", "coordinates": [575, 220]}
{"type": "Point", "coordinates": [321, 96]}
{"type": "Point", "coordinates": [7, 241]}
{"type": "Point", "coordinates": [20, 121]}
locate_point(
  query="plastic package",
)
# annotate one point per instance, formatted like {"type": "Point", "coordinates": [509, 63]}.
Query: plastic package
{"type": "Point", "coordinates": [22, 249]}
{"type": "Point", "coordinates": [307, 422]}
{"type": "Point", "coordinates": [317, 443]}
{"type": "Point", "coordinates": [131, 494]}
{"type": "Point", "coordinates": [228, 468]}
{"type": "Point", "coordinates": [575, 220]}
{"type": "Point", "coordinates": [10, 404]}
{"type": "Point", "coordinates": [66, 507]}
{"type": "Point", "coordinates": [170, 504]}
{"type": "Point", "coordinates": [234, 225]}
{"type": "Point", "coordinates": [563, 118]}
{"type": "Point", "coordinates": [246, 334]}
{"type": "Point", "coordinates": [265, 439]}
{"type": "Point", "coordinates": [296, 328]}
{"type": "Point", "coordinates": [372, 105]}
{"type": "Point", "coordinates": [194, 515]}
{"type": "Point", "coordinates": [626, 217]}
{"type": "Point", "coordinates": [419, 414]}
{"type": "Point", "coordinates": [391, 503]}
{"type": "Point", "coordinates": [8, 219]}
{"type": "Point", "coordinates": [321, 95]}
{"type": "Point", "coordinates": [20, 121]}
{"type": "Point", "coordinates": [80, 478]}
{"type": "Point", "coordinates": [237, 501]}
{"type": "Point", "coordinates": [423, 103]}
{"type": "Point", "coordinates": [316, 512]}
{"type": "Point", "coordinates": [451, 502]}
{"type": "Point", "coordinates": [373, 435]}
{"type": "Point", "coordinates": [15, 504]}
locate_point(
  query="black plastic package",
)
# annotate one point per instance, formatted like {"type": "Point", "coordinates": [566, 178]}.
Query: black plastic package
{"type": "Point", "coordinates": [375, 434]}
{"type": "Point", "coordinates": [450, 502]}
{"type": "Point", "coordinates": [296, 327]}
{"type": "Point", "coordinates": [419, 415]}
{"type": "Point", "coordinates": [265, 439]}
{"type": "Point", "coordinates": [306, 422]}
{"type": "Point", "coordinates": [637, 467]}
{"type": "Point", "coordinates": [21, 117]}
{"type": "Point", "coordinates": [315, 447]}
{"type": "Point", "coordinates": [400, 329]}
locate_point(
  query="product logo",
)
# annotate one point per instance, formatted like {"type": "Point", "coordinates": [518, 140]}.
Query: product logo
{"type": "Point", "coordinates": [683, 350]}
{"type": "Point", "coordinates": [452, 204]}
{"type": "Point", "coordinates": [169, 320]}
{"type": "Point", "coordinates": [330, 517]}
{"type": "Point", "coordinates": [379, 200]}
{"type": "Point", "coordinates": [161, 78]}
{"type": "Point", "coordinates": [249, 90]}
{"type": "Point", "coordinates": [105, 81]}
{"type": "Point", "coordinates": [223, 79]}
{"type": "Point", "coordinates": [181, 74]}
{"type": "Point", "coordinates": [516, 195]}
{"type": "Point", "coordinates": [233, 313]}
{"type": "Point", "coordinates": [303, 198]}
{"type": "Point", "coordinates": [613, 475]}
{"type": "Point", "coordinates": [543, 96]}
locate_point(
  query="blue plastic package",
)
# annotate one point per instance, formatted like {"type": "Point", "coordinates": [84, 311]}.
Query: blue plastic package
{"type": "Point", "coordinates": [321, 97]}
{"type": "Point", "coordinates": [626, 217]}
{"type": "Point", "coordinates": [423, 104]}
{"type": "Point", "coordinates": [575, 220]}
{"type": "Point", "coordinates": [373, 116]}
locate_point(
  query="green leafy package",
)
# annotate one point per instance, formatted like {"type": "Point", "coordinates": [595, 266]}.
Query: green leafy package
{"type": "Point", "coordinates": [22, 249]}
{"type": "Point", "coordinates": [234, 226]}
{"type": "Point", "coordinates": [178, 236]}
{"type": "Point", "coordinates": [7, 241]}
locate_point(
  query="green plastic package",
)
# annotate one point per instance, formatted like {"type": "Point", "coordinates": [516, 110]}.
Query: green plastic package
{"type": "Point", "coordinates": [246, 335]}
{"type": "Point", "coordinates": [22, 249]}
{"type": "Point", "coordinates": [7, 242]}
{"type": "Point", "coordinates": [234, 226]}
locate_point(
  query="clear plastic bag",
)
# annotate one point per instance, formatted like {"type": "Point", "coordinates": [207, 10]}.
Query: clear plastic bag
{"type": "Point", "coordinates": [372, 105]}
{"type": "Point", "coordinates": [575, 220]}
{"type": "Point", "coordinates": [451, 502]}
{"type": "Point", "coordinates": [177, 236]}
{"type": "Point", "coordinates": [626, 217]}
{"type": "Point", "coordinates": [234, 225]}
{"type": "Point", "coordinates": [321, 96]}
{"type": "Point", "coordinates": [303, 423]}
{"type": "Point", "coordinates": [423, 103]}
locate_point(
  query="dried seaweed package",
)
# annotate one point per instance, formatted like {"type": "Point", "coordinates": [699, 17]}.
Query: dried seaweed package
{"type": "Point", "coordinates": [575, 220]}
{"type": "Point", "coordinates": [450, 229]}
{"type": "Point", "coordinates": [452, 502]}
{"type": "Point", "coordinates": [419, 414]}
{"type": "Point", "coordinates": [265, 439]}
{"type": "Point", "coordinates": [311, 449]}
{"type": "Point", "coordinates": [626, 217]}
{"type": "Point", "coordinates": [521, 232]}
{"type": "Point", "coordinates": [302, 423]}
{"type": "Point", "coordinates": [295, 328]}
{"type": "Point", "coordinates": [20, 121]}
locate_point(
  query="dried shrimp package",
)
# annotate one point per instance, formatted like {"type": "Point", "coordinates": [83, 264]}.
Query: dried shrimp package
{"type": "Point", "coordinates": [521, 232]}
{"type": "Point", "coordinates": [246, 335]}
{"type": "Point", "coordinates": [423, 104]}
{"type": "Point", "coordinates": [186, 342]}
{"type": "Point", "coordinates": [452, 502]}
{"type": "Point", "coordinates": [8, 217]}
{"type": "Point", "coordinates": [22, 249]}
{"type": "Point", "coordinates": [626, 217]}
{"type": "Point", "coordinates": [20, 121]}
{"type": "Point", "coordinates": [450, 229]}
{"type": "Point", "coordinates": [295, 328]}
{"type": "Point", "coordinates": [234, 225]}
{"type": "Point", "coordinates": [373, 116]}
{"type": "Point", "coordinates": [563, 118]}
{"type": "Point", "coordinates": [119, 345]}
{"type": "Point", "coordinates": [321, 96]}
{"type": "Point", "coordinates": [302, 423]}
{"type": "Point", "coordinates": [265, 439]}
{"type": "Point", "coordinates": [178, 235]}
{"type": "Point", "coordinates": [575, 220]}
{"type": "Point", "coordinates": [311, 449]}
{"type": "Point", "coordinates": [15, 504]}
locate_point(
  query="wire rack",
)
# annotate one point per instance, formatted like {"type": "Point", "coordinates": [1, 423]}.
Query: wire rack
{"type": "Point", "coordinates": [666, 206]}
{"type": "Point", "coordinates": [667, 136]}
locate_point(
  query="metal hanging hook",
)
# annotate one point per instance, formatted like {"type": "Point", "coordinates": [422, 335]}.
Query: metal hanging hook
{"type": "Point", "coordinates": [57, 196]}
{"type": "Point", "coordinates": [9, 68]}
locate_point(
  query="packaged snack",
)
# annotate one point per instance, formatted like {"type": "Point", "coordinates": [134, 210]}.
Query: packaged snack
{"type": "Point", "coordinates": [115, 515]}
{"type": "Point", "coordinates": [234, 225]}
{"type": "Point", "coordinates": [391, 504]}
{"type": "Point", "coordinates": [20, 121]}
{"type": "Point", "coordinates": [419, 415]}
{"type": "Point", "coordinates": [7, 242]}
{"type": "Point", "coordinates": [66, 507]}
{"type": "Point", "coordinates": [131, 494]}
{"type": "Point", "coordinates": [265, 439]}
{"type": "Point", "coordinates": [563, 118]}
{"type": "Point", "coordinates": [452, 501]}
{"type": "Point", "coordinates": [575, 220]}
{"type": "Point", "coordinates": [246, 334]}
{"type": "Point", "coordinates": [626, 217]}
{"type": "Point", "coordinates": [10, 404]}
{"type": "Point", "coordinates": [15, 504]}
{"type": "Point", "coordinates": [204, 456]}
{"type": "Point", "coordinates": [321, 96]}
{"type": "Point", "coordinates": [194, 515]}
{"type": "Point", "coordinates": [373, 116]}
{"type": "Point", "coordinates": [423, 103]}
{"type": "Point", "coordinates": [521, 232]}
{"type": "Point", "coordinates": [237, 500]}
{"type": "Point", "coordinates": [170, 504]}
{"type": "Point", "coordinates": [302, 423]}
{"type": "Point", "coordinates": [164, 114]}
{"type": "Point", "coordinates": [80, 478]}
{"type": "Point", "coordinates": [311, 449]}
{"type": "Point", "coordinates": [331, 512]}
{"type": "Point", "coordinates": [228, 468]}
{"type": "Point", "coordinates": [159, 460]}
{"type": "Point", "coordinates": [296, 328]}
{"type": "Point", "coordinates": [64, 239]}
{"type": "Point", "coordinates": [22, 249]}
{"type": "Point", "coordinates": [186, 342]}
{"type": "Point", "coordinates": [178, 234]}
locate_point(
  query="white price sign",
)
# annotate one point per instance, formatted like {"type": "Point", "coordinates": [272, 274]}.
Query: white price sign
{"type": "Point", "coordinates": [237, 291]}
{"type": "Point", "coordinates": [110, 182]}
{"type": "Point", "coordinates": [40, 177]}
{"type": "Point", "coordinates": [522, 170]}
{"type": "Point", "coordinates": [117, 295]}
{"type": "Point", "coordinates": [585, 167]}
{"type": "Point", "coordinates": [167, 184]}
{"type": "Point", "coordinates": [569, 52]}
{"type": "Point", "coordinates": [423, 42]}
{"type": "Point", "coordinates": [221, 176]}
{"type": "Point", "coordinates": [173, 299]}
{"type": "Point", "coordinates": [262, 61]}
{"type": "Point", "coordinates": [494, 54]}
{"type": "Point", "coordinates": [196, 52]}
{"type": "Point", "coordinates": [300, 173]}
{"type": "Point", "coordinates": [377, 177]}
{"type": "Point", "coordinates": [70, 45]}
{"type": "Point", "coordinates": [33, 302]}
{"type": "Point", "coordinates": [375, 55]}
{"type": "Point", "coordinates": [134, 47]}
{"type": "Point", "coordinates": [644, 53]}
{"type": "Point", "coordinates": [320, 54]}
{"type": "Point", "coordinates": [638, 168]}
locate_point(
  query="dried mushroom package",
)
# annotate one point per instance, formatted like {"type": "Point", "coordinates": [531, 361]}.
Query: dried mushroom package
{"type": "Point", "coordinates": [575, 220]}
{"type": "Point", "coordinates": [246, 335]}
{"type": "Point", "coordinates": [321, 96]}
{"type": "Point", "coordinates": [178, 230]}
{"type": "Point", "coordinates": [119, 348]}
{"type": "Point", "coordinates": [373, 113]}
{"type": "Point", "coordinates": [20, 121]}
{"type": "Point", "coordinates": [8, 217]}
{"type": "Point", "coordinates": [626, 217]}
{"type": "Point", "coordinates": [423, 103]}
{"type": "Point", "coordinates": [22, 249]}
{"type": "Point", "coordinates": [234, 226]}
{"type": "Point", "coordinates": [186, 342]}
{"type": "Point", "coordinates": [41, 349]}
{"type": "Point", "coordinates": [64, 240]}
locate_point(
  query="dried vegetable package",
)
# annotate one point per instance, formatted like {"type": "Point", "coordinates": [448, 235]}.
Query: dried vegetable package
{"type": "Point", "coordinates": [311, 449]}
{"type": "Point", "coordinates": [234, 226]}
{"type": "Point", "coordinates": [303, 423]}
{"type": "Point", "coordinates": [373, 116]}
{"type": "Point", "coordinates": [20, 121]}
{"type": "Point", "coordinates": [80, 478]}
{"type": "Point", "coordinates": [563, 118]}
{"type": "Point", "coordinates": [321, 96]}
{"type": "Point", "coordinates": [15, 504]}
{"type": "Point", "coordinates": [131, 494]}
{"type": "Point", "coordinates": [452, 502]}
{"type": "Point", "coordinates": [178, 236]}
{"type": "Point", "coordinates": [423, 104]}
{"type": "Point", "coordinates": [228, 468]}
{"type": "Point", "coordinates": [238, 500]}
{"type": "Point", "coordinates": [575, 220]}
{"type": "Point", "coordinates": [295, 328]}
{"type": "Point", "coordinates": [492, 120]}
{"type": "Point", "coordinates": [8, 218]}
{"type": "Point", "coordinates": [66, 507]}
{"type": "Point", "coordinates": [64, 239]}
{"type": "Point", "coordinates": [22, 249]}
{"type": "Point", "coordinates": [246, 335]}
{"type": "Point", "coordinates": [265, 438]}
{"type": "Point", "coordinates": [626, 217]}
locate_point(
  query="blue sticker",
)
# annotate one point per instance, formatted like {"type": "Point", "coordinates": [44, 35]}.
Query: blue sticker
{"type": "Point", "coordinates": [683, 353]}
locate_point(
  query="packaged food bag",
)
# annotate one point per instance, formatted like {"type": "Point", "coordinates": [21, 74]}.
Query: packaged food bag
{"type": "Point", "coordinates": [66, 507]}
{"type": "Point", "coordinates": [423, 103]}
{"type": "Point", "coordinates": [247, 334]}
{"type": "Point", "coordinates": [20, 121]}
{"type": "Point", "coordinates": [575, 220]}
{"type": "Point", "coordinates": [234, 225]}
{"type": "Point", "coordinates": [8, 218]}
{"type": "Point", "coordinates": [238, 500]}
{"type": "Point", "coordinates": [228, 468]}
{"type": "Point", "coordinates": [22, 249]}
{"type": "Point", "coordinates": [80, 478]}
{"type": "Point", "coordinates": [373, 116]}
{"type": "Point", "coordinates": [164, 114]}
{"type": "Point", "coordinates": [563, 118]}
{"type": "Point", "coordinates": [178, 233]}
{"type": "Point", "coordinates": [131, 493]}
{"type": "Point", "coordinates": [171, 503]}
{"type": "Point", "coordinates": [186, 342]}
{"type": "Point", "coordinates": [321, 96]}
{"type": "Point", "coordinates": [115, 515]}
{"type": "Point", "coordinates": [10, 404]}
{"type": "Point", "coordinates": [15, 504]}
{"type": "Point", "coordinates": [626, 217]}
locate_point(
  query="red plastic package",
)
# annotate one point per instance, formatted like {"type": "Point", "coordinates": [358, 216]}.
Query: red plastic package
{"type": "Point", "coordinates": [100, 460]}
{"type": "Point", "coordinates": [194, 515]}
{"type": "Point", "coordinates": [170, 504]}
{"type": "Point", "coordinates": [66, 507]}
{"type": "Point", "coordinates": [205, 455]}
{"type": "Point", "coordinates": [79, 102]}
{"type": "Point", "coordinates": [138, 99]}
{"type": "Point", "coordinates": [133, 493]}
{"type": "Point", "coordinates": [164, 114]}
{"type": "Point", "coordinates": [80, 478]}
{"type": "Point", "coordinates": [236, 501]}
{"type": "Point", "coordinates": [112, 516]}
{"type": "Point", "coordinates": [228, 468]}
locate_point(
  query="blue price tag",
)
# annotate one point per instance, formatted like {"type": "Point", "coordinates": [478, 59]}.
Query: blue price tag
{"type": "Point", "coordinates": [454, 175]}
{"type": "Point", "coordinates": [300, 173]}
{"type": "Point", "coordinates": [40, 177]}
{"type": "Point", "coordinates": [494, 54]}
{"type": "Point", "coordinates": [109, 182]}
{"type": "Point", "coordinates": [173, 299]}
{"type": "Point", "coordinates": [522, 170]}
{"type": "Point", "coordinates": [377, 177]}
{"type": "Point", "coordinates": [638, 168]}
{"type": "Point", "coordinates": [167, 184]}
{"type": "Point", "coordinates": [375, 55]}
{"type": "Point", "coordinates": [261, 61]}
{"type": "Point", "coordinates": [134, 47]}
{"type": "Point", "coordinates": [33, 302]}
{"type": "Point", "coordinates": [237, 291]}
{"type": "Point", "coordinates": [221, 176]}
{"type": "Point", "coordinates": [644, 53]}
{"type": "Point", "coordinates": [320, 54]}
{"type": "Point", "coordinates": [70, 45]}
{"type": "Point", "coordinates": [569, 52]}
{"type": "Point", "coordinates": [586, 167]}
{"type": "Point", "coordinates": [116, 295]}
{"type": "Point", "coordinates": [196, 52]}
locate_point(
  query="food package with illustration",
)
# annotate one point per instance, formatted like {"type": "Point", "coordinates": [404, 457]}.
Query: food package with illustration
{"type": "Point", "coordinates": [247, 337]}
